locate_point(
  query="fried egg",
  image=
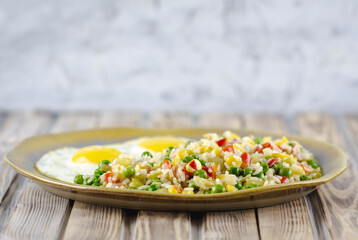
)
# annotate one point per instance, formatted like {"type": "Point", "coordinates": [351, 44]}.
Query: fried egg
{"type": "Point", "coordinates": [65, 163]}
{"type": "Point", "coordinates": [153, 144]}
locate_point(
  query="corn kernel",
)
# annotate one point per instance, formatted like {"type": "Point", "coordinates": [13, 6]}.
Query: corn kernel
{"type": "Point", "coordinates": [231, 188]}
{"type": "Point", "coordinates": [136, 183]}
{"type": "Point", "coordinates": [233, 161]}
{"type": "Point", "coordinates": [137, 168]}
{"type": "Point", "coordinates": [297, 170]}
{"type": "Point", "coordinates": [249, 140]}
{"type": "Point", "coordinates": [204, 149]}
{"type": "Point", "coordinates": [217, 151]}
{"type": "Point", "coordinates": [239, 149]}
{"type": "Point", "coordinates": [282, 141]}
{"type": "Point", "coordinates": [188, 192]}
{"type": "Point", "coordinates": [172, 190]}
{"type": "Point", "coordinates": [280, 155]}
{"type": "Point", "coordinates": [176, 160]}
{"type": "Point", "coordinates": [186, 152]}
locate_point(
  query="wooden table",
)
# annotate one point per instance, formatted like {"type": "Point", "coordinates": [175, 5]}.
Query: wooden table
{"type": "Point", "coordinates": [29, 212]}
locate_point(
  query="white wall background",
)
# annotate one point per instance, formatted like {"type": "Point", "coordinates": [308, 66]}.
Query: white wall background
{"type": "Point", "coordinates": [196, 56]}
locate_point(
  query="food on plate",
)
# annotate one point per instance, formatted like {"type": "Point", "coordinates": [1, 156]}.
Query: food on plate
{"type": "Point", "coordinates": [68, 162]}
{"type": "Point", "coordinates": [213, 164]}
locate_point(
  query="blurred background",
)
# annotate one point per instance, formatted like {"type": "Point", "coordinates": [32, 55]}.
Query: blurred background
{"type": "Point", "coordinates": [193, 56]}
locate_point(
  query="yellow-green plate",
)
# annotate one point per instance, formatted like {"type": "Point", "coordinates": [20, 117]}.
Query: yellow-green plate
{"type": "Point", "coordinates": [24, 156]}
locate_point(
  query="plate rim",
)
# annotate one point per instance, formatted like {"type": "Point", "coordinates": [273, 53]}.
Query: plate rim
{"type": "Point", "coordinates": [184, 197]}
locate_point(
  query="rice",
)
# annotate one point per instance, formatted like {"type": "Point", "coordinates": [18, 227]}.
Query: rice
{"type": "Point", "coordinates": [222, 162]}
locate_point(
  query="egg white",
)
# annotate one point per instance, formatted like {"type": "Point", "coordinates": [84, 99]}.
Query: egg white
{"type": "Point", "coordinates": [58, 164]}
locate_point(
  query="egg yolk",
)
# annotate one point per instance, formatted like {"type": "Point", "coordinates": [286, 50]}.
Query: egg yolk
{"type": "Point", "coordinates": [94, 154]}
{"type": "Point", "coordinates": [157, 144]}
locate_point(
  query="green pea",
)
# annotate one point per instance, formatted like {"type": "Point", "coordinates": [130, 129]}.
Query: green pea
{"type": "Point", "coordinates": [155, 179]}
{"type": "Point", "coordinates": [201, 173]}
{"type": "Point", "coordinates": [277, 166]}
{"type": "Point", "coordinates": [246, 171]}
{"type": "Point", "coordinates": [98, 172]}
{"type": "Point", "coordinates": [153, 187]}
{"type": "Point", "coordinates": [268, 157]}
{"type": "Point", "coordinates": [313, 163]}
{"type": "Point", "coordinates": [164, 159]}
{"type": "Point", "coordinates": [238, 185]}
{"type": "Point", "coordinates": [192, 185]}
{"type": "Point", "coordinates": [151, 164]}
{"type": "Point", "coordinates": [104, 165]}
{"type": "Point", "coordinates": [169, 150]}
{"type": "Point", "coordinates": [208, 191]}
{"type": "Point", "coordinates": [218, 188]}
{"type": "Point", "coordinates": [87, 182]}
{"type": "Point", "coordinates": [234, 170]}
{"type": "Point", "coordinates": [194, 156]}
{"type": "Point", "coordinates": [188, 159]}
{"type": "Point", "coordinates": [291, 144]}
{"type": "Point", "coordinates": [148, 154]}
{"type": "Point", "coordinates": [250, 186]}
{"type": "Point", "coordinates": [202, 162]}
{"type": "Point", "coordinates": [287, 172]}
{"type": "Point", "coordinates": [96, 182]}
{"type": "Point", "coordinates": [128, 171]}
{"type": "Point", "coordinates": [265, 167]}
{"type": "Point", "coordinates": [258, 140]}
{"type": "Point", "coordinates": [187, 143]}
{"type": "Point", "coordinates": [78, 179]}
{"type": "Point", "coordinates": [305, 177]}
{"type": "Point", "coordinates": [132, 188]}
{"type": "Point", "coordinates": [260, 175]}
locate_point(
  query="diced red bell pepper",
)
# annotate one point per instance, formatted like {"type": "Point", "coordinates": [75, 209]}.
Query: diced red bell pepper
{"type": "Point", "coordinates": [272, 162]}
{"type": "Point", "coordinates": [209, 171]}
{"type": "Point", "coordinates": [221, 142]}
{"type": "Point", "coordinates": [284, 180]}
{"type": "Point", "coordinates": [166, 165]}
{"type": "Point", "coordinates": [228, 148]}
{"type": "Point", "coordinates": [246, 160]}
{"type": "Point", "coordinates": [108, 175]}
{"type": "Point", "coordinates": [258, 149]}
{"type": "Point", "coordinates": [189, 174]}
{"type": "Point", "coordinates": [267, 145]}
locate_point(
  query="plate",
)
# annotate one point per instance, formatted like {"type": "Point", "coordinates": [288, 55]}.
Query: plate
{"type": "Point", "coordinates": [24, 156]}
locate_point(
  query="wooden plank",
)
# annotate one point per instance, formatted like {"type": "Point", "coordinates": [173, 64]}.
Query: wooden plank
{"type": "Point", "coordinates": [170, 120]}
{"type": "Point", "coordinates": [215, 120]}
{"type": "Point", "coordinates": [16, 127]}
{"type": "Point", "coordinates": [338, 197]}
{"type": "Point", "coordinates": [169, 225]}
{"type": "Point", "coordinates": [40, 214]}
{"type": "Point", "coordinates": [235, 224]}
{"type": "Point", "coordinates": [120, 119]}
{"type": "Point", "coordinates": [288, 220]}
{"type": "Point", "coordinates": [163, 225]}
{"type": "Point", "coordinates": [102, 222]}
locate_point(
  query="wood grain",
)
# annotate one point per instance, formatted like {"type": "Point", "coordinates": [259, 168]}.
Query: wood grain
{"type": "Point", "coordinates": [339, 197]}
{"type": "Point", "coordinates": [162, 225]}
{"type": "Point", "coordinates": [169, 225]}
{"type": "Point", "coordinates": [170, 120]}
{"type": "Point", "coordinates": [288, 220]}
{"type": "Point", "coordinates": [16, 127]}
{"type": "Point", "coordinates": [85, 217]}
{"type": "Point", "coordinates": [40, 214]}
{"type": "Point", "coordinates": [235, 224]}
{"type": "Point", "coordinates": [215, 120]}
